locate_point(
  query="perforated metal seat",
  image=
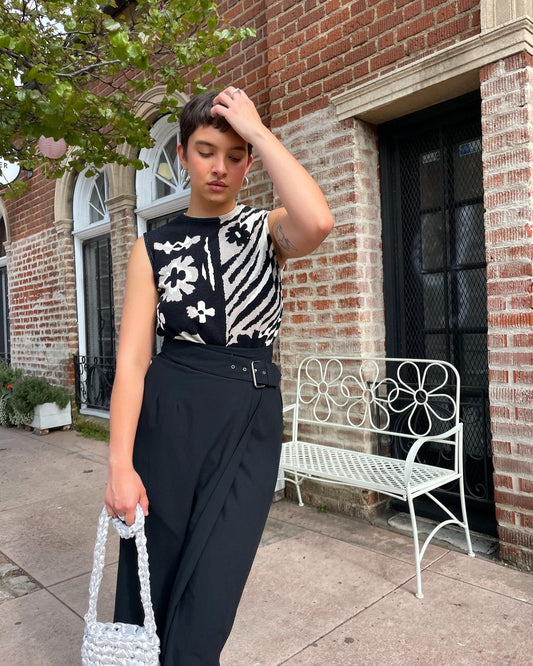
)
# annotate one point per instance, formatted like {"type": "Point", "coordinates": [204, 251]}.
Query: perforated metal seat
{"type": "Point", "coordinates": [364, 470]}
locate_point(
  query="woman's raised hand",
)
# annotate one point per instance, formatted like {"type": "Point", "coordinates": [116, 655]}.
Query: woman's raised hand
{"type": "Point", "coordinates": [240, 112]}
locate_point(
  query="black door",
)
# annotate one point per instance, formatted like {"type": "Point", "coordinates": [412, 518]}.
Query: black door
{"type": "Point", "coordinates": [435, 269]}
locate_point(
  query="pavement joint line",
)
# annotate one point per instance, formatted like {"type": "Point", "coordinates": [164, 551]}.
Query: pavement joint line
{"type": "Point", "coordinates": [82, 617]}
{"type": "Point", "coordinates": [481, 587]}
{"type": "Point", "coordinates": [372, 550]}
{"type": "Point", "coordinates": [349, 619]}
{"type": "Point", "coordinates": [83, 573]}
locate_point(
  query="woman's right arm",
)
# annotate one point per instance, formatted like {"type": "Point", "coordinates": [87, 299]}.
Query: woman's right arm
{"type": "Point", "coordinates": [124, 486]}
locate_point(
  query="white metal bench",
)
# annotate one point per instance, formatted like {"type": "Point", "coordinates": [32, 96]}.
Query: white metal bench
{"type": "Point", "coordinates": [411, 405]}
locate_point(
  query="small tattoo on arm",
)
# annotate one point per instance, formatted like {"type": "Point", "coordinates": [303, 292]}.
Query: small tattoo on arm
{"type": "Point", "coordinates": [282, 240]}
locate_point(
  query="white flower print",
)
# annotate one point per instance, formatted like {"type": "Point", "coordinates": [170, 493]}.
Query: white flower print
{"type": "Point", "coordinates": [160, 320]}
{"type": "Point", "coordinates": [178, 278]}
{"type": "Point", "coordinates": [200, 311]}
{"type": "Point", "coordinates": [167, 247]}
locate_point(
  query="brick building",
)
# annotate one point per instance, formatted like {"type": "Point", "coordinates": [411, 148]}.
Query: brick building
{"type": "Point", "coordinates": [416, 118]}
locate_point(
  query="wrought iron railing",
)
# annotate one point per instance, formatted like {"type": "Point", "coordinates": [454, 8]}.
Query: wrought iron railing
{"type": "Point", "coordinates": [94, 377]}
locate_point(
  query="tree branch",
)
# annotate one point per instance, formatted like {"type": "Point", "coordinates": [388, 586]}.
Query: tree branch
{"type": "Point", "coordinates": [87, 69]}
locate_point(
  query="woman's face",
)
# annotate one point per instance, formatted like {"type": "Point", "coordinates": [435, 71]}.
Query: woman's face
{"type": "Point", "coordinates": [217, 163]}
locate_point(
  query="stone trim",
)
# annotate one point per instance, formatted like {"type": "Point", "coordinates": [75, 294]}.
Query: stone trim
{"type": "Point", "coordinates": [3, 214]}
{"type": "Point", "coordinates": [145, 106]}
{"type": "Point", "coordinates": [64, 226]}
{"type": "Point", "coordinates": [121, 181]}
{"type": "Point", "coordinates": [494, 13]}
{"type": "Point", "coordinates": [119, 203]}
{"type": "Point", "coordinates": [63, 197]}
{"type": "Point", "coordinates": [438, 77]}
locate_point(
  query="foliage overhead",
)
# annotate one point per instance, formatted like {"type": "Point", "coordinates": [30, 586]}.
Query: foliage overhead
{"type": "Point", "coordinates": [74, 70]}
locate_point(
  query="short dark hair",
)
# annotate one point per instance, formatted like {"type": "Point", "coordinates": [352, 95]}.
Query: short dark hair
{"type": "Point", "coordinates": [197, 113]}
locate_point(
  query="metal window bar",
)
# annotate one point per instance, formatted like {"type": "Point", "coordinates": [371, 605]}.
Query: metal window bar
{"type": "Point", "coordinates": [94, 378]}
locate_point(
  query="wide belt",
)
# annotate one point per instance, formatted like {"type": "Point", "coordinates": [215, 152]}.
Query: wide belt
{"type": "Point", "coordinates": [242, 363]}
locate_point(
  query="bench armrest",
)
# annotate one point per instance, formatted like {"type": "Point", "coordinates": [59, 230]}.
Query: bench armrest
{"type": "Point", "coordinates": [288, 408]}
{"type": "Point", "coordinates": [454, 436]}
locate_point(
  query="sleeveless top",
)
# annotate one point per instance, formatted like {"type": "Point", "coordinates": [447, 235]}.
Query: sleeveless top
{"type": "Point", "coordinates": [218, 279]}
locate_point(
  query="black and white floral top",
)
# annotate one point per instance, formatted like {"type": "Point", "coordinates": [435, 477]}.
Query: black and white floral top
{"type": "Point", "coordinates": [218, 279]}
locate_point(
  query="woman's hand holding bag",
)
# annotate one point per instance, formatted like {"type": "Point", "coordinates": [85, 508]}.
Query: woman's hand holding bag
{"type": "Point", "coordinates": [117, 643]}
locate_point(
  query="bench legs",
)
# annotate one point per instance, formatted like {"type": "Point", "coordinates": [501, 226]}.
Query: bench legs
{"type": "Point", "coordinates": [465, 519]}
{"type": "Point", "coordinates": [298, 480]}
{"type": "Point", "coordinates": [418, 555]}
{"type": "Point", "coordinates": [419, 552]}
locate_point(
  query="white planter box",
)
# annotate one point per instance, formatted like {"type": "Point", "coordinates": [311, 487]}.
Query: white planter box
{"type": "Point", "coordinates": [49, 415]}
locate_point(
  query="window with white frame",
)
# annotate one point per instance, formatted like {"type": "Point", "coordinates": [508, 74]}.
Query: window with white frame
{"type": "Point", "coordinates": [95, 365]}
{"type": "Point", "coordinates": [162, 187]}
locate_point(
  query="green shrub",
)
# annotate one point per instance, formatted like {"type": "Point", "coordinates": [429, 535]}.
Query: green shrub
{"type": "Point", "coordinates": [8, 375]}
{"type": "Point", "coordinates": [28, 392]}
{"type": "Point", "coordinates": [20, 394]}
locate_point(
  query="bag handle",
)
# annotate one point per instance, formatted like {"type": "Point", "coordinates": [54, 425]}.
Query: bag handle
{"type": "Point", "coordinates": [125, 532]}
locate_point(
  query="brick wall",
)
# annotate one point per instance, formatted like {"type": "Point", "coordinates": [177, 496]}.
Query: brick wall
{"type": "Point", "coordinates": [507, 121]}
{"type": "Point", "coordinates": [33, 211]}
{"type": "Point", "coordinates": [333, 298]}
{"type": "Point", "coordinates": [246, 63]}
{"type": "Point", "coordinates": [319, 47]}
{"type": "Point", "coordinates": [38, 306]}
{"type": "Point", "coordinates": [41, 285]}
{"type": "Point", "coordinates": [123, 236]}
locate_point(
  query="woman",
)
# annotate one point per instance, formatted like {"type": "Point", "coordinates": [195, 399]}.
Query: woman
{"type": "Point", "coordinates": [196, 434]}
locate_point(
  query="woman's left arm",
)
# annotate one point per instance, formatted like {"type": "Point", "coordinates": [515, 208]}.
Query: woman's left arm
{"type": "Point", "coordinates": [305, 219]}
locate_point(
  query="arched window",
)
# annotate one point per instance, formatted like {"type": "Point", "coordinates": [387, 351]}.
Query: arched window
{"type": "Point", "coordinates": [94, 288]}
{"type": "Point", "coordinates": [4, 304]}
{"type": "Point", "coordinates": [97, 207]}
{"type": "Point", "coordinates": [162, 190]}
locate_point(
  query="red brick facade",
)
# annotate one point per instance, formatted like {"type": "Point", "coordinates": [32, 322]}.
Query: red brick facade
{"type": "Point", "coordinates": [317, 48]}
{"type": "Point", "coordinates": [507, 113]}
{"type": "Point", "coordinates": [305, 55]}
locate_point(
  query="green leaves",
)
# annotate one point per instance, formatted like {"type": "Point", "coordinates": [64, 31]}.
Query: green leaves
{"type": "Point", "coordinates": [67, 69]}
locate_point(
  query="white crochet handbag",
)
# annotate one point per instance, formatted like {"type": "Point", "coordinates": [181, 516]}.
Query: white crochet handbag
{"type": "Point", "coordinates": [117, 643]}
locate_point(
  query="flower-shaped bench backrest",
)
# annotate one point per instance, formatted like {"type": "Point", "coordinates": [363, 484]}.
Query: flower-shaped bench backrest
{"type": "Point", "coordinates": [405, 397]}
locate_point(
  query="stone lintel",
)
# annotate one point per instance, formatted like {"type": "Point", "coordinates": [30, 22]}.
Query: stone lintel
{"type": "Point", "coordinates": [435, 78]}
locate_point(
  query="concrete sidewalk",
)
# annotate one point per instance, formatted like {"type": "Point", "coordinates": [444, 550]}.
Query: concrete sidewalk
{"type": "Point", "coordinates": [325, 590]}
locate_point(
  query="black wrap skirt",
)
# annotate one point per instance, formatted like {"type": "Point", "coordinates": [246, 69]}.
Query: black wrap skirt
{"type": "Point", "coordinates": [207, 449]}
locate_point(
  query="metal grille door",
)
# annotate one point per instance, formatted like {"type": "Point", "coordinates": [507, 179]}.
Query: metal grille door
{"type": "Point", "coordinates": [435, 267]}
{"type": "Point", "coordinates": [4, 317]}
{"type": "Point", "coordinates": [95, 372]}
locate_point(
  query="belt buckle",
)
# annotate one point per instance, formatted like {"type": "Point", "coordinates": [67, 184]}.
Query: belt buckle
{"type": "Point", "coordinates": [254, 377]}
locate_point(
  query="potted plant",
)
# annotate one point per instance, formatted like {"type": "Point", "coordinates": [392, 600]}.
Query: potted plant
{"type": "Point", "coordinates": [8, 377]}
{"type": "Point", "coordinates": [32, 401]}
